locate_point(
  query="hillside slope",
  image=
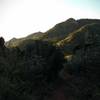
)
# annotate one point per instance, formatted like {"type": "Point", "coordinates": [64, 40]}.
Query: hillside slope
{"type": "Point", "coordinates": [35, 69]}
{"type": "Point", "coordinates": [55, 34]}
{"type": "Point", "coordinates": [82, 50]}
{"type": "Point", "coordinates": [14, 42]}
{"type": "Point", "coordinates": [61, 30]}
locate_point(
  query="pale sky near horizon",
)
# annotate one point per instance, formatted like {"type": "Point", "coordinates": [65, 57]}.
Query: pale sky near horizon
{"type": "Point", "coordinates": [19, 18]}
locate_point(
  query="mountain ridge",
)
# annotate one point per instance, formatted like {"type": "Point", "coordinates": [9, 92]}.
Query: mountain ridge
{"type": "Point", "coordinates": [58, 32]}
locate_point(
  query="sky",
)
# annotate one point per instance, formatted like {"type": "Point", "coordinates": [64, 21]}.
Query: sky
{"type": "Point", "coordinates": [19, 18]}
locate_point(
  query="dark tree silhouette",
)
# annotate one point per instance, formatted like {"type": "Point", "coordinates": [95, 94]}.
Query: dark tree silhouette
{"type": "Point", "coordinates": [2, 41]}
{"type": "Point", "coordinates": [30, 73]}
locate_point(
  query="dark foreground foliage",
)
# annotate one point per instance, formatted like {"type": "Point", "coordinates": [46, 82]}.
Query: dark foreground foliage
{"type": "Point", "coordinates": [29, 74]}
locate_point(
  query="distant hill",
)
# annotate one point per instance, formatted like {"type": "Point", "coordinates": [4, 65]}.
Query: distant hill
{"type": "Point", "coordinates": [55, 34]}
{"type": "Point", "coordinates": [14, 42]}
{"type": "Point", "coordinates": [61, 30]}
{"type": "Point", "coordinates": [81, 37]}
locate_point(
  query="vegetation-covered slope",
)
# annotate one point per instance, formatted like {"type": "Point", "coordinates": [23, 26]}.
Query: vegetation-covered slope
{"type": "Point", "coordinates": [55, 34]}
{"type": "Point", "coordinates": [33, 68]}
{"type": "Point", "coordinates": [31, 73]}
{"type": "Point", "coordinates": [14, 42]}
{"type": "Point", "coordinates": [81, 37]}
{"type": "Point", "coordinates": [84, 64]}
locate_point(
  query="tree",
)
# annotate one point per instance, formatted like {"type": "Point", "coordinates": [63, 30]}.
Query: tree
{"type": "Point", "coordinates": [30, 72]}
{"type": "Point", "coordinates": [2, 41]}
